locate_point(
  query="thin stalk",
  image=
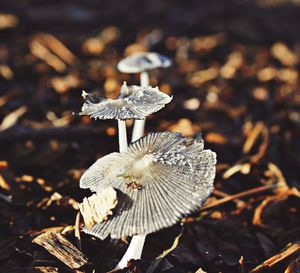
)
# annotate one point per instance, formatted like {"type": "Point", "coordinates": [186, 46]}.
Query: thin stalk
{"type": "Point", "coordinates": [134, 251]}
{"type": "Point", "coordinates": [139, 125]}
{"type": "Point", "coordinates": [122, 135]}
{"type": "Point", "coordinates": [135, 248]}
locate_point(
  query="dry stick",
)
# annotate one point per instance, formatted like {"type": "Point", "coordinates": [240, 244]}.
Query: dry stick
{"type": "Point", "coordinates": [139, 125]}
{"type": "Point", "coordinates": [236, 196]}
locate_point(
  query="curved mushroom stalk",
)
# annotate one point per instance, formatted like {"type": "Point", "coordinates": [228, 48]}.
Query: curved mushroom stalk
{"type": "Point", "coordinates": [139, 125]}
{"type": "Point", "coordinates": [133, 252]}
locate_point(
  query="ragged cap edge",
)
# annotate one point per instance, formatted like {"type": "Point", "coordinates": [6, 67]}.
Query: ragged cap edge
{"type": "Point", "coordinates": [186, 190]}
{"type": "Point", "coordinates": [98, 207]}
{"type": "Point", "coordinates": [135, 102]}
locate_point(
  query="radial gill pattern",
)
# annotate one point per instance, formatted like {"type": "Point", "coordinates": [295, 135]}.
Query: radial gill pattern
{"type": "Point", "coordinates": [160, 178]}
{"type": "Point", "coordinates": [135, 102]}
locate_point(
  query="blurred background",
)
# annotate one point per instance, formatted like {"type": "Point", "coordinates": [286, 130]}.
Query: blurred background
{"type": "Point", "coordinates": [235, 78]}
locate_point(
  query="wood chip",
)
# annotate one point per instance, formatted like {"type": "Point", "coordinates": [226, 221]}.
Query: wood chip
{"type": "Point", "coordinates": [58, 246]}
{"type": "Point", "coordinates": [57, 47]}
{"type": "Point", "coordinates": [282, 53]}
{"type": "Point", "coordinates": [41, 269]}
{"type": "Point", "coordinates": [98, 207]}
{"type": "Point", "coordinates": [12, 118]}
{"type": "Point", "coordinates": [290, 250]}
{"type": "Point", "coordinates": [42, 52]}
{"type": "Point", "coordinates": [8, 21]}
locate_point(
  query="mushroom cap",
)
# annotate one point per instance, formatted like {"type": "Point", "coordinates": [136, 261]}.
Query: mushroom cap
{"type": "Point", "coordinates": [142, 61]}
{"type": "Point", "coordinates": [135, 102]}
{"type": "Point", "coordinates": [160, 178]}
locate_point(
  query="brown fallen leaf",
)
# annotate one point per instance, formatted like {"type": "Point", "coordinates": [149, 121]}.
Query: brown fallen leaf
{"type": "Point", "coordinates": [290, 250]}
{"type": "Point", "coordinates": [98, 207]}
{"type": "Point", "coordinates": [58, 246]}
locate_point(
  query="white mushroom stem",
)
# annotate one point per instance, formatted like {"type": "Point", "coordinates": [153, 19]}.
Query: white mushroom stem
{"type": "Point", "coordinates": [134, 251]}
{"type": "Point", "coordinates": [139, 125]}
{"type": "Point", "coordinates": [122, 135]}
{"type": "Point", "coordinates": [135, 248]}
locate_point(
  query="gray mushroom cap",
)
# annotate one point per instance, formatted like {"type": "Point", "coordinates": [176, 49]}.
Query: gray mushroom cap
{"type": "Point", "coordinates": [142, 61]}
{"type": "Point", "coordinates": [160, 178]}
{"type": "Point", "coordinates": [135, 102]}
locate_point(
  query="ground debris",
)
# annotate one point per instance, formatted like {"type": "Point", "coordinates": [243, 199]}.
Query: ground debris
{"type": "Point", "coordinates": [62, 249]}
{"type": "Point", "coordinates": [290, 250]}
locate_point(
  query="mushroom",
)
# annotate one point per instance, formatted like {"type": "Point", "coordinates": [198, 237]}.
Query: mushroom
{"type": "Point", "coordinates": [140, 63]}
{"type": "Point", "coordinates": [159, 179]}
{"type": "Point", "coordinates": [134, 102]}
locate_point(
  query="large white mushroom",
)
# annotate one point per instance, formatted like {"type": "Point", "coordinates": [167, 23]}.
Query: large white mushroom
{"type": "Point", "coordinates": [159, 179]}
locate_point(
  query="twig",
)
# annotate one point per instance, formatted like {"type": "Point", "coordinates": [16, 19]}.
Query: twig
{"type": "Point", "coordinates": [236, 196]}
{"type": "Point", "coordinates": [290, 250]}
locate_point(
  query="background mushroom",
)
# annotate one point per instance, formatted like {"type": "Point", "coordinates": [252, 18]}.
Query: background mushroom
{"type": "Point", "coordinates": [134, 102]}
{"type": "Point", "coordinates": [141, 62]}
{"type": "Point", "coordinates": [160, 178]}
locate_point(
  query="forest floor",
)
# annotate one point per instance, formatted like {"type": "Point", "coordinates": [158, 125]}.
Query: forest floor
{"type": "Point", "coordinates": [235, 79]}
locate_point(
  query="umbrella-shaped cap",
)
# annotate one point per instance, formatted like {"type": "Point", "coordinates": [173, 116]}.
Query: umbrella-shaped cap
{"type": "Point", "coordinates": [142, 61]}
{"type": "Point", "coordinates": [160, 178]}
{"type": "Point", "coordinates": [135, 102]}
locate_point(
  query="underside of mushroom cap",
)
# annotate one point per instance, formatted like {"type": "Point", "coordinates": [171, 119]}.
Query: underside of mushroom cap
{"type": "Point", "coordinates": [135, 102]}
{"type": "Point", "coordinates": [161, 178]}
{"type": "Point", "coordinates": [142, 61]}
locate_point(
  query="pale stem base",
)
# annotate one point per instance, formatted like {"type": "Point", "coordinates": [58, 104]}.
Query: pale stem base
{"type": "Point", "coordinates": [133, 252]}
{"type": "Point", "coordinates": [139, 125]}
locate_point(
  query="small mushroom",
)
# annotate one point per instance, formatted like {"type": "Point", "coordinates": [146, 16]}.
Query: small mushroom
{"type": "Point", "coordinates": [134, 102]}
{"type": "Point", "coordinates": [141, 63]}
{"type": "Point", "coordinates": [161, 178]}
